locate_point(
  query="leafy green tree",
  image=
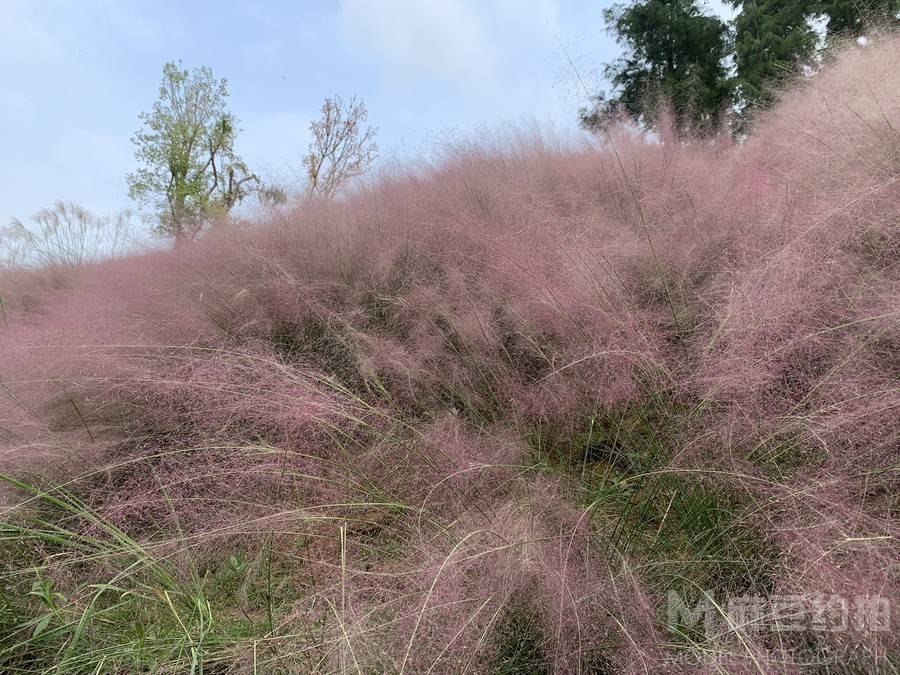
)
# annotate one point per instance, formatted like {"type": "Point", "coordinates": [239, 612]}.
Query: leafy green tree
{"type": "Point", "coordinates": [773, 39]}
{"type": "Point", "coordinates": [676, 56]}
{"type": "Point", "coordinates": [189, 169]}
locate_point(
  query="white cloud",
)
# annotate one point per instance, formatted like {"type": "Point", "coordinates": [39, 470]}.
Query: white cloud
{"type": "Point", "coordinates": [531, 17]}
{"type": "Point", "coordinates": [35, 32]}
{"type": "Point", "coordinates": [272, 142]}
{"type": "Point", "coordinates": [486, 55]}
{"type": "Point", "coordinates": [83, 165]}
{"type": "Point", "coordinates": [13, 103]}
{"type": "Point", "coordinates": [27, 35]}
{"type": "Point", "coordinates": [134, 23]}
{"type": "Point", "coordinates": [421, 38]}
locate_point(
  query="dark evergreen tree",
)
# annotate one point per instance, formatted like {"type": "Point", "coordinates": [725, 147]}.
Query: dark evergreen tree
{"type": "Point", "coordinates": [850, 17]}
{"type": "Point", "coordinates": [676, 57]}
{"type": "Point", "coordinates": [773, 39]}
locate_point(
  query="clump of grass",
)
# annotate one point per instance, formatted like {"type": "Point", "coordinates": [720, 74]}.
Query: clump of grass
{"type": "Point", "coordinates": [518, 649]}
{"type": "Point", "coordinates": [82, 595]}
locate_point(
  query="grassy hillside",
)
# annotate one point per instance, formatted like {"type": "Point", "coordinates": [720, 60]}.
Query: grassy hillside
{"type": "Point", "coordinates": [489, 416]}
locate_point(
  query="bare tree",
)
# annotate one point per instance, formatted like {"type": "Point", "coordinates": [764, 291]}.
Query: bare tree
{"type": "Point", "coordinates": [341, 148]}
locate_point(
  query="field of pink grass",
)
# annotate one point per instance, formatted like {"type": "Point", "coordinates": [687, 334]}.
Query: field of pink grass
{"type": "Point", "coordinates": [488, 415]}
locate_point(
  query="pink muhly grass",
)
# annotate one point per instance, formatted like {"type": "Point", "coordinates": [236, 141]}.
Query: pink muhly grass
{"type": "Point", "coordinates": [458, 407]}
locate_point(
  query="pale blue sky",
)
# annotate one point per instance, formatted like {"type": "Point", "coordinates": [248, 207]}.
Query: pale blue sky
{"type": "Point", "coordinates": [75, 74]}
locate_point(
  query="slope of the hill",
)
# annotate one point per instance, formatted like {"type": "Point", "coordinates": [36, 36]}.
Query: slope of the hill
{"type": "Point", "coordinates": [493, 416]}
